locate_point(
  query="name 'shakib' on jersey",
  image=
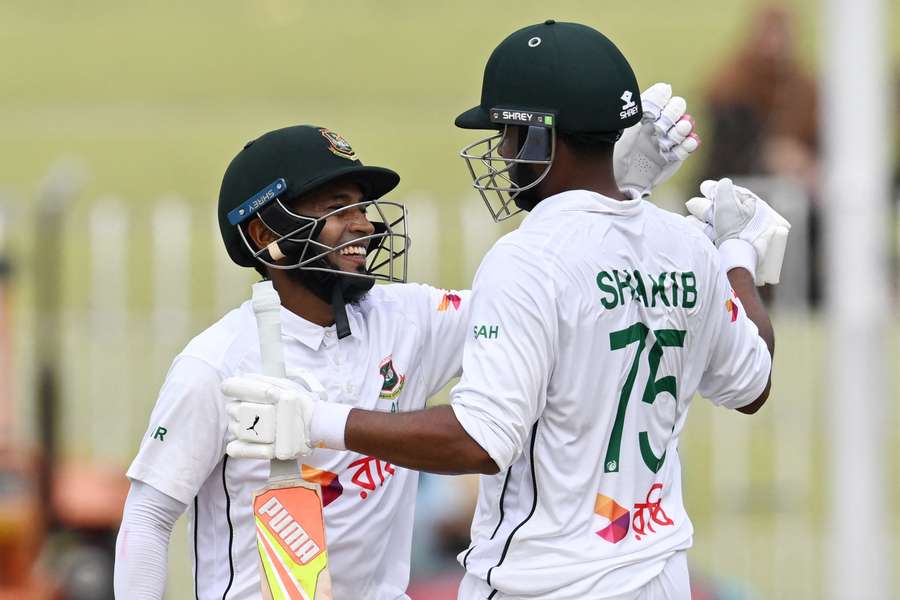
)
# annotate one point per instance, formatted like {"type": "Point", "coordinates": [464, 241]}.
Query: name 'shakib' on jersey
{"type": "Point", "coordinates": [402, 350]}
{"type": "Point", "coordinates": [579, 393]}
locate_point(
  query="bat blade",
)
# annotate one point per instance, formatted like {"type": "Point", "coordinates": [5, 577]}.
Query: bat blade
{"type": "Point", "coordinates": [290, 525]}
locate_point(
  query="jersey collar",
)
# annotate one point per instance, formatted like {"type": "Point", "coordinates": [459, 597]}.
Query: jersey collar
{"type": "Point", "coordinates": [583, 201]}
{"type": "Point", "coordinates": [311, 335]}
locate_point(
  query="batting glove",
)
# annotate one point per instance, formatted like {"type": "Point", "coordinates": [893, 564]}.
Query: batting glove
{"type": "Point", "coordinates": [650, 152]}
{"type": "Point", "coordinates": [747, 231]}
{"type": "Point", "coordinates": [281, 418]}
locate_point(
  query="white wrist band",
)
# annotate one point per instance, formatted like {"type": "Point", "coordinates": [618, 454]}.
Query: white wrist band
{"type": "Point", "coordinates": [328, 424]}
{"type": "Point", "coordinates": [737, 253]}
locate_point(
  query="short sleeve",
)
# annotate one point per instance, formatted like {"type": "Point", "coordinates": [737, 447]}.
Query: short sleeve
{"type": "Point", "coordinates": [447, 313]}
{"type": "Point", "coordinates": [509, 352]}
{"type": "Point", "coordinates": [444, 317]}
{"type": "Point", "coordinates": [739, 362]}
{"type": "Point", "coordinates": [186, 437]}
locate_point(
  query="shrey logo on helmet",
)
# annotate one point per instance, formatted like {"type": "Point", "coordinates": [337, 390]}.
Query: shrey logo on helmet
{"type": "Point", "coordinates": [338, 145]}
{"type": "Point", "coordinates": [630, 108]}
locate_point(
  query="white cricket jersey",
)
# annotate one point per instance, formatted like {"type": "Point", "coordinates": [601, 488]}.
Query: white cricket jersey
{"type": "Point", "coordinates": [406, 345]}
{"type": "Point", "coordinates": [591, 327]}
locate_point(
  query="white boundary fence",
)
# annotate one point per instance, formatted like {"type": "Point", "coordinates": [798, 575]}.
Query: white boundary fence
{"type": "Point", "coordinates": [149, 276]}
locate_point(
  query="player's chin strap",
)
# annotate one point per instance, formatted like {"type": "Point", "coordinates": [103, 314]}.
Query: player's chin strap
{"type": "Point", "coordinates": [339, 306]}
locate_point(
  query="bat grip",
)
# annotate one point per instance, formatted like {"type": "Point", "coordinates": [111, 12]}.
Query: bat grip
{"type": "Point", "coordinates": [267, 307]}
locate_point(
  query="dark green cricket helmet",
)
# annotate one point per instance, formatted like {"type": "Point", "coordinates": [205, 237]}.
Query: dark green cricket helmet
{"type": "Point", "coordinates": [543, 80]}
{"type": "Point", "coordinates": [568, 69]}
{"type": "Point", "coordinates": [282, 165]}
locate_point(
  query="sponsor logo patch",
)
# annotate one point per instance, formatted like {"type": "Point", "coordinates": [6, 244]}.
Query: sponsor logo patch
{"type": "Point", "coordinates": [630, 107]}
{"type": "Point", "coordinates": [449, 299]}
{"type": "Point", "coordinates": [732, 307]}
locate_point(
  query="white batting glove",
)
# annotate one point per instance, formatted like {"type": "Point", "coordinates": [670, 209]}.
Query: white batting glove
{"type": "Point", "coordinates": [747, 231]}
{"type": "Point", "coordinates": [650, 152]}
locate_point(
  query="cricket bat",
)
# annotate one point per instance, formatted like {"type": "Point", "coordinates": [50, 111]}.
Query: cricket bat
{"type": "Point", "coordinates": [290, 525]}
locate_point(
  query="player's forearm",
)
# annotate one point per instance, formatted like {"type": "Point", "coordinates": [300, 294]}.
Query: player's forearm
{"type": "Point", "coordinates": [745, 289]}
{"type": "Point", "coordinates": [427, 440]}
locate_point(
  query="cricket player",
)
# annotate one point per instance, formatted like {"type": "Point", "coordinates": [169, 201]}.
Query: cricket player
{"type": "Point", "coordinates": [590, 328]}
{"type": "Point", "coordinates": [298, 205]}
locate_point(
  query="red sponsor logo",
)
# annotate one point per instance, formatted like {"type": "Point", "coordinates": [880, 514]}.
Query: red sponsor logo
{"type": "Point", "coordinates": [649, 512]}
{"type": "Point", "coordinates": [370, 474]}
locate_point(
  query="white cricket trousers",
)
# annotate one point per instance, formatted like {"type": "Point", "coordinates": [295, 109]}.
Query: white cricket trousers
{"type": "Point", "coordinates": [673, 583]}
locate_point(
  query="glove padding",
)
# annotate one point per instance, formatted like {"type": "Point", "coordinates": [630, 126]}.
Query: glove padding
{"type": "Point", "coordinates": [270, 416]}
{"type": "Point", "coordinates": [650, 152]}
{"type": "Point", "coordinates": [730, 212]}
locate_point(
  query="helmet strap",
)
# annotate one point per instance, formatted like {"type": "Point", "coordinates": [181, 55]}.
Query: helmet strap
{"type": "Point", "coordinates": [341, 322]}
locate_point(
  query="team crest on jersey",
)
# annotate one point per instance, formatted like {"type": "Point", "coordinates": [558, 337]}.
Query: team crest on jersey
{"type": "Point", "coordinates": [393, 381]}
{"type": "Point", "coordinates": [337, 144]}
{"type": "Point", "coordinates": [449, 299]}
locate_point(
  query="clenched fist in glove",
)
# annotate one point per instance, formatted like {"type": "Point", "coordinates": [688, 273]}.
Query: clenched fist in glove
{"type": "Point", "coordinates": [281, 418]}
{"type": "Point", "coordinates": [747, 231]}
{"type": "Point", "coordinates": [651, 151]}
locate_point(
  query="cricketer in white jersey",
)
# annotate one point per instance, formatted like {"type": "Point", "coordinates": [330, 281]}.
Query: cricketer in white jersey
{"type": "Point", "coordinates": [405, 345]}
{"type": "Point", "coordinates": [593, 325]}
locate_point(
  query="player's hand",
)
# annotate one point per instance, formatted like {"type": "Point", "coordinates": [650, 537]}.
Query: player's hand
{"type": "Point", "coordinates": [651, 151]}
{"type": "Point", "coordinates": [270, 416]}
{"type": "Point", "coordinates": [734, 218]}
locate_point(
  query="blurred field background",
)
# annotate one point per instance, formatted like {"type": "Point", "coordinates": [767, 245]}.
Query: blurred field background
{"type": "Point", "coordinates": [134, 106]}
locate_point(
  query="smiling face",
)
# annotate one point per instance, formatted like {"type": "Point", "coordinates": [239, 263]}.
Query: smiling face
{"type": "Point", "coordinates": [343, 227]}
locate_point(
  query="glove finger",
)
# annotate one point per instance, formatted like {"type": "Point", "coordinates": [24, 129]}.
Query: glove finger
{"type": "Point", "coordinates": [671, 112]}
{"type": "Point", "coordinates": [249, 388]}
{"type": "Point", "coordinates": [682, 128]}
{"type": "Point", "coordinates": [654, 99]}
{"type": "Point", "coordinates": [685, 148]}
{"type": "Point", "coordinates": [239, 449]}
{"type": "Point", "coordinates": [699, 208]}
{"type": "Point", "coordinates": [709, 188]}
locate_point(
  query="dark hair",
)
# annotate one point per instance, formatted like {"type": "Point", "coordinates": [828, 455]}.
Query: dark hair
{"type": "Point", "coordinates": [591, 144]}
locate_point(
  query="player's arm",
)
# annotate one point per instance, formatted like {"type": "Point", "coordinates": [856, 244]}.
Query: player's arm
{"type": "Point", "coordinates": [426, 440]}
{"type": "Point", "coordinates": [142, 546]}
{"type": "Point", "coordinates": [507, 360]}
{"type": "Point", "coordinates": [745, 289]}
{"type": "Point", "coordinates": [751, 238]}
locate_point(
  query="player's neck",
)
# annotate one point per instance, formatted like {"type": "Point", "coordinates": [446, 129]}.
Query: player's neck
{"type": "Point", "coordinates": [301, 301]}
{"type": "Point", "coordinates": [581, 173]}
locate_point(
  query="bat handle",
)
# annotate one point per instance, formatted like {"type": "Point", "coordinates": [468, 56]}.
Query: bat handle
{"type": "Point", "coordinates": [267, 307]}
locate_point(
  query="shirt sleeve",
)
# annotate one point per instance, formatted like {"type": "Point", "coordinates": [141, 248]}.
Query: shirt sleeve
{"type": "Point", "coordinates": [186, 437]}
{"type": "Point", "coordinates": [447, 317]}
{"type": "Point", "coordinates": [509, 353]}
{"type": "Point", "coordinates": [739, 362]}
{"type": "Point", "coordinates": [142, 545]}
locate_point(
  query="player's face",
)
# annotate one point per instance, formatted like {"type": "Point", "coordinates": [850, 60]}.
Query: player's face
{"type": "Point", "coordinates": [341, 227]}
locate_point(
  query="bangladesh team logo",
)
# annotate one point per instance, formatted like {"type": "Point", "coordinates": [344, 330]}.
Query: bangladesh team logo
{"type": "Point", "coordinates": [337, 144]}
{"type": "Point", "coordinates": [393, 381]}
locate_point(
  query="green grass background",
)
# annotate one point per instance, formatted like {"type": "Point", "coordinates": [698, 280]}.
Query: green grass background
{"type": "Point", "coordinates": [155, 98]}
